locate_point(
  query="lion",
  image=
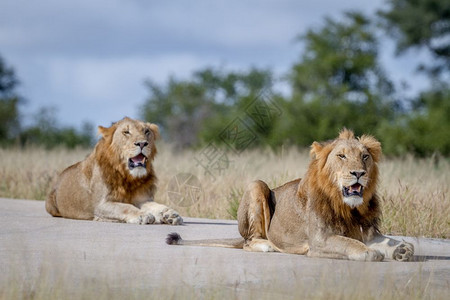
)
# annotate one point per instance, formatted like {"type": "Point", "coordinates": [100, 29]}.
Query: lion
{"type": "Point", "coordinates": [116, 182]}
{"type": "Point", "coordinates": [333, 212]}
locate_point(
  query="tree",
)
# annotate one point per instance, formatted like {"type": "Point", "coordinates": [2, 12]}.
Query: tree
{"type": "Point", "coordinates": [48, 133]}
{"type": "Point", "coordinates": [180, 108]}
{"type": "Point", "coordinates": [416, 24]}
{"type": "Point", "coordinates": [337, 82]}
{"type": "Point", "coordinates": [193, 111]}
{"type": "Point", "coordinates": [45, 131]}
{"type": "Point", "coordinates": [420, 23]}
{"type": "Point", "coordinates": [430, 124]}
{"type": "Point", "coordinates": [423, 131]}
{"type": "Point", "coordinates": [9, 102]}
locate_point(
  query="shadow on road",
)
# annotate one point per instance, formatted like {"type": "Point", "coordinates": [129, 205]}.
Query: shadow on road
{"type": "Point", "coordinates": [429, 257]}
{"type": "Point", "coordinates": [207, 223]}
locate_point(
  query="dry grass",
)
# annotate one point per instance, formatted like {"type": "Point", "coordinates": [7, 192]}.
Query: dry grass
{"type": "Point", "coordinates": [415, 192]}
{"type": "Point", "coordinates": [29, 173]}
{"type": "Point", "coordinates": [59, 285]}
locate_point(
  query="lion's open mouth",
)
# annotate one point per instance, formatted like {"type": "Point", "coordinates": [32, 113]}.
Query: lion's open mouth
{"type": "Point", "coordinates": [353, 190]}
{"type": "Point", "coordinates": [139, 160]}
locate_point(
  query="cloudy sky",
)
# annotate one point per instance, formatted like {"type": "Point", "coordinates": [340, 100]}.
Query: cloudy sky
{"type": "Point", "coordinates": [89, 59]}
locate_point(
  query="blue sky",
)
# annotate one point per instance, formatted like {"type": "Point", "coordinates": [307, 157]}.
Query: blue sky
{"type": "Point", "coordinates": [89, 59]}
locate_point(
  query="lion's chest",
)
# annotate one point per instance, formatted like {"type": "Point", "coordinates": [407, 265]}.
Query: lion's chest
{"type": "Point", "coordinates": [139, 199]}
{"type": "Point", "coordinates": [354, 231]}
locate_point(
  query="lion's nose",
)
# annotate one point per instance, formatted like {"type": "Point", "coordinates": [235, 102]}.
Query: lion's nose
{"type": "Point", "coordinates": [358, 174]}
{"type": "Point", "coordinates": [141, 144]}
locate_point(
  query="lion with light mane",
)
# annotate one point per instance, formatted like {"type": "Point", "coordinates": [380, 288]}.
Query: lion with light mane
{"type": "Point", "coordinates": [116, 182]}
{"type": "Point", "coordinates": [333, 212]}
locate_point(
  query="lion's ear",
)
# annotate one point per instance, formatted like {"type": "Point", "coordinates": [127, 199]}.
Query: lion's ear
{"type": "Point", "coordinates": [372, 145]}
{"type": "Point", "coordinates": [155, 129]}
{"type": "Point", "coordinates": [103, 131]}
{"type": "Point", "coordinates": [346, 134]}
{"type": "Point", "coordinates": [315, 150]}
{"type": "Point", "coordinates": [107, 131]}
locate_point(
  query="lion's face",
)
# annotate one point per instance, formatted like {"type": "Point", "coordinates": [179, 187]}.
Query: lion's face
{"type": "Point", "coordinates": [133, 143]}
{"type": "Point", "coordinates": [350, 165]}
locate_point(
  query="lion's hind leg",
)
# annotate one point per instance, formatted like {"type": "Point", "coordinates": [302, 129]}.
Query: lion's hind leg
{"type": "Point", "coordinates": [50, 204]}
{"type": "Point", "coordinates": [254, 217]}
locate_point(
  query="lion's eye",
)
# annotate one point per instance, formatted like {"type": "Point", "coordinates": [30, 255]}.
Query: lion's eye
{"type": "Point", "coordinates": [126, 132]}
{"type": "Point", "coordinates": [365, 157]}
{"type": "Point", "coordinates": [147, 131]}
{"type": "Point", "coordinates": [341, 156]}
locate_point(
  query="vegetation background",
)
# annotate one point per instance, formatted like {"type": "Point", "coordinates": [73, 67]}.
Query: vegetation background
{"type": "Point", "coordinates": [337, 82]}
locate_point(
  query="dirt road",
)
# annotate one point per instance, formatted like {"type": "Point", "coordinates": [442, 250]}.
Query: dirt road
{"type": "Point", "coordinates": [48, 257]}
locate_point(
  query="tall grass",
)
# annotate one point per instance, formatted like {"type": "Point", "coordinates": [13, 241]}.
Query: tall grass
{"type": "Point", "coordinates": [415, 193]}
{"type": "Point", "coordinates": [29, 173]}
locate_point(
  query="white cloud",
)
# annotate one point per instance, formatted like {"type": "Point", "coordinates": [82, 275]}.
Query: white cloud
{"type": "Point", "coordinates": [104, 90]}
{"type": "Point", "coordinates": [104, 79]}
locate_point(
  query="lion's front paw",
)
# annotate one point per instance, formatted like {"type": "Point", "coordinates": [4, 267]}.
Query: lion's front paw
{"type": "Point", "coordinates": [403, 252]}
{"type": "Point", "coordinates": [170, 216]}
{"type": "Point", "coordinates": [374, 255]}
{"type": "Point", "coordinates": [163, 214]}
{"type": "Point", "coordinates": [142, 219]}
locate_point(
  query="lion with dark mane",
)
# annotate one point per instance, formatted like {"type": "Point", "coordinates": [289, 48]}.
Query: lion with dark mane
{"type": "Point", "coordinates": [333, 212]}
{"type": "Point", "coordinates": [116, 182]}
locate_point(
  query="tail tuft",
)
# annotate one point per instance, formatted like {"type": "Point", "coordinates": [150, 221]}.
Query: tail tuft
{"type": "Point", "coordinates": [173, 239]}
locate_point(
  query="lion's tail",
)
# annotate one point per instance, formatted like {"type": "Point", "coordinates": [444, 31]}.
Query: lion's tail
{"type": "Point", "coordinates": [175, 239]}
